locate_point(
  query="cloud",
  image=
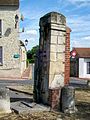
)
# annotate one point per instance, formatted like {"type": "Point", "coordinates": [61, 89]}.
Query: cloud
{"type": "Point", "coordinates": [77, 3]}
{"type": "Point", "coordinates": [79, 24]}
{"type": "Point", "coordinates": [80, 43]}
{"type": "Point", "coordinates": [31, 32]}
{"type": "Point", "coordinates": [31, 36]}
{"type": "Point", "coordinates": [80, 3]}
{"type": "Point", "coordinates": [76, 12]}
{"type": "Point", "coordinates": [87, 38]}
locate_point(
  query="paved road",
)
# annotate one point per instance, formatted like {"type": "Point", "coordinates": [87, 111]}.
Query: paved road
{"type": "Point", "coordinates": [75, 82]}
{"type": "Point", "coordinates": [15, 82]}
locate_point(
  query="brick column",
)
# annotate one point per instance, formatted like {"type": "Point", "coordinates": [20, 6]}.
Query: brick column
{"type": "Point", "coordinates": [67, 56]}
{"type": "Point", "coordinates": [54, 98]}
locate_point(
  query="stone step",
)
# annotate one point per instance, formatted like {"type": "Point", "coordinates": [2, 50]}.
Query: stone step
{"type": "Point", "coordinates": [20, 108]}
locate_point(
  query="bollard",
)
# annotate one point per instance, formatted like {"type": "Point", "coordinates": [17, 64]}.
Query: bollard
{"type": "Point", "coordinates": [4, 101]}
{"type": "Point", "coordinates": [68, 99]}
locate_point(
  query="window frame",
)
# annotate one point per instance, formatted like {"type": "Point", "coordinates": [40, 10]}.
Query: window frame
{"type": "Point", "coordinates": [88, 67]}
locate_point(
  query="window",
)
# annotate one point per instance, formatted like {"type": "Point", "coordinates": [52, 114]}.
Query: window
{"type": "Point", "coordinates": [1, 55]}
{"type": "Point", "coordinates": [88, 67]}
{"type": "Point", "coordinates": [0, 27]}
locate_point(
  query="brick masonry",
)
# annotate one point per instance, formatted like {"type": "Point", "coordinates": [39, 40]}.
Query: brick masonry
{"type": "Point", "coordinates": [54, 98]}
{"type": "Point", "coordinates": [67, 56]}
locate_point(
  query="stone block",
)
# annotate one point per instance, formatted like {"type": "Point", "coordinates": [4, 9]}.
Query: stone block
{"type": "Point", "coordinates": [52, 68]}
{"type": "Point", "coordinates": [60, 57]}
{"type": "Point", "coordinates": [68, 99]}
{"type": "Point", "coordinates": [61, 40]}
{"type": "Point", "coordinates": [56, 67]}
{"type": "Point", "coordinates": [51, 78]}
{"type": "Point", "coordinates": [21, 107]}
{"type": "Point", "coordinates": [58, 81]}
{"type": "Point", "coordinates": [53, 56]}
{"type": "Point", "coordinates": [53, 39]}
{"type": "Point", "coordinates": [60, 67]}
{"type": "Point", "coordinates": [53, 48]}
{"type": "Point", "coordinates": [58, 27]}
{"type": "Point", "coordinates": [60, 48]}
{"type": "Point", "coordinates": [4, 101]}
{"type": "Point", "coordinates": [57, 33]}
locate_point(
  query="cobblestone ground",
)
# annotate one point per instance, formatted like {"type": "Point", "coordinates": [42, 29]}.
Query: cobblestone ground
{"type": "Point", "coordinates": [82, 103]}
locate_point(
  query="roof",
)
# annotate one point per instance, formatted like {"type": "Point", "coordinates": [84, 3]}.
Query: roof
{"type": "Point", "coordinates": [9, 2]}
{"type": "Point", "coordinates": [82, 52]}
{"type": "Point", "coordinates": [21, 43]}
{"type": "Point", "coordinates": [68, 30]}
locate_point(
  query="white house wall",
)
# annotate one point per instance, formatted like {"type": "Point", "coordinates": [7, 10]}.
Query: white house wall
{"type": "Point", "coordinates": [23, 59]}
{"type": "Point", "coordinates": [83, 68]}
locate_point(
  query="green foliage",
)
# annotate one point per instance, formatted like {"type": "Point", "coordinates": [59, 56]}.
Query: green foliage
{"type": "Point", "coordinates": [31, 54]}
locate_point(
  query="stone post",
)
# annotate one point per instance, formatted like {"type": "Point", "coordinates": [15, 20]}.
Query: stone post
{"type": "Point", "coordinates": [52, 47]}
{"type": "Point", "coordinates": [50, 67]}
{"type": "Point", "coordinates": [68, 99]}
{"type": "Point", "coordinates": [4, 101]}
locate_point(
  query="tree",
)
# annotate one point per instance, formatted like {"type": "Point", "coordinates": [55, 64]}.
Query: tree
{"type": "Point", "coordinates": [31, 54]}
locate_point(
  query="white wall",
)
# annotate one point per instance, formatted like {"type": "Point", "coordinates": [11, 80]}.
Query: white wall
{"type": "Point", "coordinates": [31, 76]}
{"type": "Point", "coordinates": [23, 59]}
{"type": "Point", "coordinates": [83, 68]}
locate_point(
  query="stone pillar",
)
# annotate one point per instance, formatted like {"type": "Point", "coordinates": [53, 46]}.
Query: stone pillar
{"type": "Point", "coordinates": [52, 66]}
{"type": "Point", "coordinates": [4, 101]}
{"type": "Point", "coordinates": [57, 51]}
{"type": "Point", "coordinates": [51, 54]}
{"type": "Point", "coordinates": [67, 56]}
{"type": "Point", "coordinates": [68, 99]}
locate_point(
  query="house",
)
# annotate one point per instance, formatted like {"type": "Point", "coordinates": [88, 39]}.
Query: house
{"type": "Point", "coordinates": [80, 63]}
{"type": "Point", "coordinates": [10, 47]}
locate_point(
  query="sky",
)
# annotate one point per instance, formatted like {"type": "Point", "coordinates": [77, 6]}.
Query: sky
{"type": "Point", "coordinates": [77, 13]}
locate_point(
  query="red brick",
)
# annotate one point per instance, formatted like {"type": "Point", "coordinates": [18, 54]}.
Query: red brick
{"type": "Point", "coordinates": [67, 56]}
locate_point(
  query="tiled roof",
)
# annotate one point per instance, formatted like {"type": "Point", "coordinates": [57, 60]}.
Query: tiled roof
{"type": "Point", "coordinates": [82, 52]}
{"type": "Point", "coordinates": [9, 2]}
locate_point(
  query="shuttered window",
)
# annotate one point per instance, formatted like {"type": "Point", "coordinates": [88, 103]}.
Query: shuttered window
{"type": "Point", "coordinates": [88, 67]}
{"type": "Point", "coordinates": [1, 59]}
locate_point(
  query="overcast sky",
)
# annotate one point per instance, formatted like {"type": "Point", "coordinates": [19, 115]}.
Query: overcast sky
{"type": "Point", "coordinates": [77, 13]}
